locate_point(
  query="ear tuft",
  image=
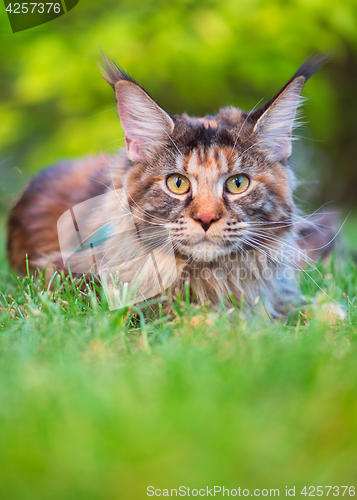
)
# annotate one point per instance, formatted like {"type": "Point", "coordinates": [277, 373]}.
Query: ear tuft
{"type": "Point", "coordinates": [310, 66]}
{"type": "Point", "coordinates": [113, 73]}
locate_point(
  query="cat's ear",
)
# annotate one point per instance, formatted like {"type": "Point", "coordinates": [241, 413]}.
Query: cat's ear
{"type": "Point", "coordinates": [145, 124]}
{"type": "Point", "coordinates": [277, 118]}
{"type": "Point", "coordinates": [274, 128]}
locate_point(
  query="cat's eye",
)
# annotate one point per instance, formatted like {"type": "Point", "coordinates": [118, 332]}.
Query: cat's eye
{"type": "Point", "coordinates": [178, 184]}
{"type": "Point", "coordinates": [237, 184]}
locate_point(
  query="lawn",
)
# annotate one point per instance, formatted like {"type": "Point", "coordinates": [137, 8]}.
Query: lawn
{"type": "Point", "coordinates": [100, 405]}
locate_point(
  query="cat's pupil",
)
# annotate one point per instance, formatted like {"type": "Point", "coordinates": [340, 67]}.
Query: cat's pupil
{"type": "Point", "coordinates": [178, 182]}
{"type": "Point", "coordinates": [238, 181]}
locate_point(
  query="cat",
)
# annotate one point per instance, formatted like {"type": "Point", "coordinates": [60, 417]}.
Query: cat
{"type": "Point", "coordinates": [219, 188]}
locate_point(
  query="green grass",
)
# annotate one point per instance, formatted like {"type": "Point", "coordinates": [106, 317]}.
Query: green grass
{"type": "Point", "coordinates": [99, 405]}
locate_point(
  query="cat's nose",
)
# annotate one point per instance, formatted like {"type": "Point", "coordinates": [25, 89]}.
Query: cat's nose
{"type": "Point", "coordinates": [206, 220]}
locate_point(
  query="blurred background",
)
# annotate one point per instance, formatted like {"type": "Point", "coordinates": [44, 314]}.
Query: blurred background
{"type": "Point", "coordinates": [190, 55]}
{"type": "Point", "coordinates": [85, 410]}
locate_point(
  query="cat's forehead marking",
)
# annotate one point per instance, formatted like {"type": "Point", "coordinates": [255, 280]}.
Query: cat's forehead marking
{"type": "Point", "coordinates": [208, 122]}
{"type": "Point", "coordinates": [207, 162]}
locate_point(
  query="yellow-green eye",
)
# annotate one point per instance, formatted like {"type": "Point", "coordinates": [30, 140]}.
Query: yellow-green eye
{"type": "Point", "coordinates": [178, 184]}
{"type": "Point", "coordinates": [237, 184]}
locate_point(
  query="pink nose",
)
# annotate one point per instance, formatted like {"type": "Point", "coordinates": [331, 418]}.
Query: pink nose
{"type": "Point", "coordinates": [206, 220]}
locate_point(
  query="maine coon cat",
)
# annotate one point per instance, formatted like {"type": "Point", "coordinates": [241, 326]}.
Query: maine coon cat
{"type": "Point", "coordinates": [219, 187]}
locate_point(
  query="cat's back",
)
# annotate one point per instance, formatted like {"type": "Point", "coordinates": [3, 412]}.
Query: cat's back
{"type": "Point", "coordinates": [32, 226]}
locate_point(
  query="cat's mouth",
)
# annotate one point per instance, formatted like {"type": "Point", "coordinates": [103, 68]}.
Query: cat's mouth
{"type": "Point", "coordinates": [205, 249]}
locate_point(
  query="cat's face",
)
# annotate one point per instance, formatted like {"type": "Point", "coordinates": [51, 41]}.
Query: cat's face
{"type": "Point", "coordinates": [219, 184]}
{"type": "Point", "coordinates": [215, 191]}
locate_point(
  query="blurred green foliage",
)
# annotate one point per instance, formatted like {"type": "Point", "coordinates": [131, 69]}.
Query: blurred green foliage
{"type": "Point", "coordinates": [191, 55]}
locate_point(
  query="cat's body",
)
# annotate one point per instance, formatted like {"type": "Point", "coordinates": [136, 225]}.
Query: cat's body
{"type": "Point", "coordinates": [233, 228]}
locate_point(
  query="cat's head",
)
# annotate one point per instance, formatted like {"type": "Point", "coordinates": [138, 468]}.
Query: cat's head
{"type": "Point", "coordinates": [219, 184]}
